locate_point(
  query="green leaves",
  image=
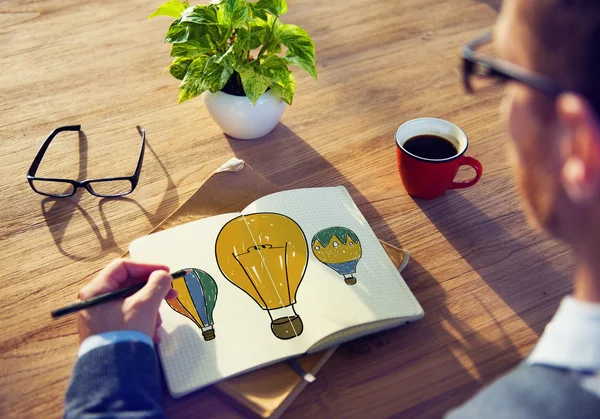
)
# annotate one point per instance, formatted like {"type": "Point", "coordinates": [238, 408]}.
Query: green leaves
{"type": "Point", "coordinates": [215, 75]}
{"type": "Point", "coordinates": [231, 59]}
{"type": "Point", "coordinates": [211, 42]}
{"type": "Point", "coordinates": [254, 83]}
{"type": "Point", "coordinates": [195, 23]}
{"type": "Point", "coordinates": [192, 48]}
{"type": "Point", "coordinates": [210, 20]}
{"type": "Point", "coordinates": [233, 13]}
{"type": "Point", "coordinates": [179, 67]}
{"type": "Point", "coordinates": [177, 32]}
{"type": "Point", "coordinates": [271, 72]}
{"type": "Point", "coordinates": [301, 50]}
{"type": "Point", "coordinates": [307, 65]}
{"type": "Point", "coordinates": [202, 74]}
{"type": "Point", "coordinates": [281, 79]}
{"type": "Point", "coordinates": [171, 8]}
{"type": "Point", "coordinates": [250, 39]}
{"type": "Point", "coordinates": [201, 15]}
{"type": "Point", "coordinates": [286, 88]}
{"type": "Point", "coordinates": [275, 7]}
{"type": "Point", "coordinates": [257, 12]}
{"type": "Point", "coordinates": [271, 23]}
{"type": "Point", "coordinates": [193, 83]}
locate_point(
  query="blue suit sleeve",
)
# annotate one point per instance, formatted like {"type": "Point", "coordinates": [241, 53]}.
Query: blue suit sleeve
{"type": "Point", "coordinates": [119, 380]}
{"type": "Point", "coordinates": [532, 392]}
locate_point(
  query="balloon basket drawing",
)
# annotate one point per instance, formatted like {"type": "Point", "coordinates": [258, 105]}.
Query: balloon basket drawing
{"type": "Point", "coordinates": [287, 327]}
{"type": "Point", "coordinates": [208, 334]}
{"type": "Point", "coordinates": [350, 280]}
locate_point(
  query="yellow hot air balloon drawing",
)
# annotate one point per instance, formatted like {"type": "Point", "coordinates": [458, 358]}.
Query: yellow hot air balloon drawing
{"type": "Point", "coordinates": [265, 255]}
{"type": "Point", "coordinates": [196, 299]}
{"type": "Point", "coordinates": [340, 249]}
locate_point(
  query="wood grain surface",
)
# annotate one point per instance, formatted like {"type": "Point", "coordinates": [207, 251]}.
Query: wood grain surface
{"type": "Point", "coordinates": [487, 281]}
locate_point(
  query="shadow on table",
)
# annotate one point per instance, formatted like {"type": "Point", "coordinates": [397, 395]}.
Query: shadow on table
{"type": "Point", "coordinates": [463, 356]}
{"type": "Point", "coordinates": [496, 255]}
{"type": "Point", "coordinates": [297, 165]}
{"type": "Point", "coordinates": [165, 205]}
{"type": "Point", "coordinates": [494, 4]}
{"type": "Point", "coordinates": [59, 212]}
{"type": "Point", "coordinates": [437, 351]}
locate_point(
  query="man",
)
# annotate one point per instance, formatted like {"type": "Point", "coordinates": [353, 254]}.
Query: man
{"type": "Point", "coordinates": [552, 113]}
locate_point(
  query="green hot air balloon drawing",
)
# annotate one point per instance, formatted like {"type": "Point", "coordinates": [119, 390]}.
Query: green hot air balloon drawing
{"type": "Point", "coordinates": [340, 249]}
{"type": "Point", "coordinates": [196, 299]}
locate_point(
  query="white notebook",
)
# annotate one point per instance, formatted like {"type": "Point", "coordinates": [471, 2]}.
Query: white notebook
{"type": "Point", "coordinates": [294, 272]}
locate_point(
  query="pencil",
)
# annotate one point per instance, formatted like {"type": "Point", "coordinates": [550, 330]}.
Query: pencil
{"type": "Point", "coordinates": [102, 298]}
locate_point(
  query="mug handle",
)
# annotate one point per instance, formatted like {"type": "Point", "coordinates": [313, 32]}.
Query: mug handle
{"type": "Point", "coordinates": [468, 161]}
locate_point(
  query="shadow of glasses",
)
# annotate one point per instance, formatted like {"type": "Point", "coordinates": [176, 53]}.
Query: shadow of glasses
{"type": "Point", "coordinates": [168, 202]}
{"type": "Point", "coordinates": [59, 213]}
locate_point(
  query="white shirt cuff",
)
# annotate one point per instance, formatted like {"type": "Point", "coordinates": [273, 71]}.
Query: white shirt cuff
{"type": "Point", "coordinates": [110, 338]}
{"type": "Point", "coordinates": [572, 339]}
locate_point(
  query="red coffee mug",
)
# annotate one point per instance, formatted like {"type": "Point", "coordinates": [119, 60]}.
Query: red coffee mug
{"type": "Point", "coordinates": [429, 178]}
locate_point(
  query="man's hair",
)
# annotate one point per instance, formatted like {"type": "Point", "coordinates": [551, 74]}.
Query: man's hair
{"type": "Point", "coordinates": [568, 34]}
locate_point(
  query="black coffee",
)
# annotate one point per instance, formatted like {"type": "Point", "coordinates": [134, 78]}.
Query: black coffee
{"type": "Point", "coordinates": [430, 147]}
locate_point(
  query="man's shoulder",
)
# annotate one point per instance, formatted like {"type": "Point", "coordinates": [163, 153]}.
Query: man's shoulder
{"type": "Point", "coordinates": [532, 392]}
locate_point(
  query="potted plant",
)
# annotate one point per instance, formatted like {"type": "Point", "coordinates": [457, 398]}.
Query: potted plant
{"type": "Point", "coordinates": [231, 52]}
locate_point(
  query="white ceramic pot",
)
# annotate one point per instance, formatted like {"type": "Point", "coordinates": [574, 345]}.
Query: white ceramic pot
{"type": "Point", "coordinates": [240, 119]}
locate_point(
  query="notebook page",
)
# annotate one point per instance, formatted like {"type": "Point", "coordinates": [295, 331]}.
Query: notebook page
{"type": "Point", "coordinates": [324, 301]}
{"type": "Point", "coordinates": [243, 337]}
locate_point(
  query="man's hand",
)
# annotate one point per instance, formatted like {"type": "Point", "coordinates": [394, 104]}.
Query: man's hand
{"type": "Point", "coordinates": [136, 312]}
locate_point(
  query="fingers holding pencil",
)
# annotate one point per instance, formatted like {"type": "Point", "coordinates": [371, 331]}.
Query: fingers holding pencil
{"type": "Point", "coordinates": [118, 274]}
{"type": "Point", "coordinates": [138, 311]}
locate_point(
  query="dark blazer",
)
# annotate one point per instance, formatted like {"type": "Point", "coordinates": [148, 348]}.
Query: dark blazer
{"type": "Point", "coordinates": [537, 392]}
{"type": "Point", "coordinates": [116, 381]}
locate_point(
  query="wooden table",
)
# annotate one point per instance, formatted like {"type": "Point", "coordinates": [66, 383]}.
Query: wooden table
{"type": "Point", "coordinates": [487, 281]}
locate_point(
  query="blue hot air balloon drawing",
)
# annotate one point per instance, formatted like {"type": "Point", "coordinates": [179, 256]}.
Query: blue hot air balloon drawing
{"type": "Point", "coordinates": [196, 299]}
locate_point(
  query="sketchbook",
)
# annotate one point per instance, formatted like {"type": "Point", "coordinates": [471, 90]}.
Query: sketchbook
{"type": "Point", "coordinates": [294, 272]}
{"type": "Point", "coordinates": [265, 392]}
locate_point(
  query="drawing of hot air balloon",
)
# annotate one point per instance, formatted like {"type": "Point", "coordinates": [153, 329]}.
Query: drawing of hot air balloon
{"type": "Point", "coordinates": [265, 255]}
{"type": "Point", "coordinates": [196, 298]}
{"type": "Point", "coordinates": [340, 249]}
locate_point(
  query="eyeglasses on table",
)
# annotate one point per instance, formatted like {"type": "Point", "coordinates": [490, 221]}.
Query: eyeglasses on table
{"type": "Point", "coordinates": [108, 187]}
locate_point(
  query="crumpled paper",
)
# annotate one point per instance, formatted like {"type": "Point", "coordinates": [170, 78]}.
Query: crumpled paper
{"type": "Point", "coordinates": [231, 165]}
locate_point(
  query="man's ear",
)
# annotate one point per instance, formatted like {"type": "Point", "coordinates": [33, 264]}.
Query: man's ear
{"type": "Point", "coordinates": [580, 151]}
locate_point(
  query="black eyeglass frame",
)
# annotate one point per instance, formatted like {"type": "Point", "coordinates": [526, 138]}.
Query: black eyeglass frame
{"type": "Point", "coordinates": [479, 64]}
{"type": "Point", "coordinates": [133, 179]}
